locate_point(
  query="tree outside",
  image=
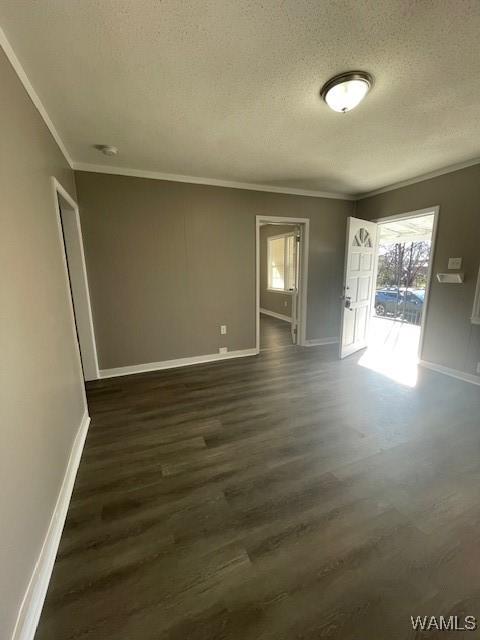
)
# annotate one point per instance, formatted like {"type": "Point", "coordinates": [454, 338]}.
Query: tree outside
{"type": "Point", "coordinates": [401, 280]}
{"type": "Point", "coordinates": [403, 265]}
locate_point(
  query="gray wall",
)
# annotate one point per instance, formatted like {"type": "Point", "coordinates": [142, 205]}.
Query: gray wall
{"type": "Point", "coordinates": [272, 300]}
{"type": "Point", "coordinates": [169, 262]}
{"type": "Point", "coordinates": [450, 339]}
{"type": "Point", "coordinates": [41, 390]}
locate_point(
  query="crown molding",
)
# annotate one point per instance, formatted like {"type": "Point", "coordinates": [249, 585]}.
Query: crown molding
{"type": "Point", "coordinates": [156, 175]}
{"type": "Point", "coordinates": [425, 176]}
{"type": "Point", "coordinates": [20, 71]}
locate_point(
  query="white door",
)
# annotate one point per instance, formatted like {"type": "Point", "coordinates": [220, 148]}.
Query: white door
{"type": "Point", "coordinates": [295, 261]}
{"type": "Point", "coordinates": [357, 284]}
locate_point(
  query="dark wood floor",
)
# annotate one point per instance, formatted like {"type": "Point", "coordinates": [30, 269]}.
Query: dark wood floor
{"type": "Point", "coordinates": [274, 333]}
{"type": "Point", "coordinates": [283, 496]}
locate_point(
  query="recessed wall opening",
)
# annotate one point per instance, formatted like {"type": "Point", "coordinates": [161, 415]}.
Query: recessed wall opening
{"type": "Point", "coordinates": [282, 250]}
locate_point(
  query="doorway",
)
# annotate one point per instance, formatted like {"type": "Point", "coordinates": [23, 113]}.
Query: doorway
{"type": "Point", "coordinates": [70, 233]}
{"type": "Point", "coordinates": [281, 268]}
{"type": "Point", "coordinates": [402, 278]}
{"type": "Point", "coordinates": [387, 278]}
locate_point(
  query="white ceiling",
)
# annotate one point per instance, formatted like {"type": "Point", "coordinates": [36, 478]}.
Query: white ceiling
{"type": "Point", "coordinates": [228, 89]}
{"type": "Point", "coordinates": [407, 229]}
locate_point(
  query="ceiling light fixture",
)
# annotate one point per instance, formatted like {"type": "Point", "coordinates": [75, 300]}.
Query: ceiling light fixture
{"type": "Point", "coordinates": [344, 92]}
{"type": "Point", "coordinates": [107, 149]}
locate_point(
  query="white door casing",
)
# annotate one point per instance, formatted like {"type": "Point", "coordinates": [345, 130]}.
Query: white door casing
{"type": "Point", "coordinates": [358, 284]}
{"type": "Point", "coordinates": [302, 282]}
{"type": "Point", "coordinates": [71, 242]}
{"type": "Point", "coordinates": [294, 289]}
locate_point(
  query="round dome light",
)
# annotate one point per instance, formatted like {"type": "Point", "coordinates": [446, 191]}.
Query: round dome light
{"type": "Point", "coordinates": [344, 92]}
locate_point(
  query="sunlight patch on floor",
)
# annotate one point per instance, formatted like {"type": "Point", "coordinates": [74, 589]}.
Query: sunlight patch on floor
{"type": "Point", "coordinates": [392, 350]}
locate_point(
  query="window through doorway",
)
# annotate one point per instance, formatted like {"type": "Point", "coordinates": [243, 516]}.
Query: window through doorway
{"type": "Point", "coordinates": [281, 281]}
{"type": "Point", "coordinates": [281, 261]}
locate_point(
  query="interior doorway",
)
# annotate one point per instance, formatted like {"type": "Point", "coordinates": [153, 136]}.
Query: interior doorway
{"type": "Point", "coordinates": [70, 233]}
{"type": "Point", "coordinates": [281, 266]}
{"type": "Point", "coordinates": [404, 252]}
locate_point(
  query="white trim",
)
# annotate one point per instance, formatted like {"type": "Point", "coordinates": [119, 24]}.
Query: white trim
{"type": "Point", "coordinates": [172, 364]}
{"type": "Point", "coordinates": [418, 213]}
{"type": "Point", "coordinates": [274, 314]}
{"type": "Point", "coordinates": [86, 332]}
{"type": "Point", "coordinates": [31, 607]}
{"type": "Point", "coordinates": [303, 289]}
{"type": "Point", "coordinates": [475, 319]}
{"type": "Point", "coordinates": [424, 176]}
{"type": "Point", "coordinates": [453, 373]}
{"type": "Point", "coordinates": [435, 211]}
{"type": "Point", "coordinates": [20, 71]}
{"type": "Point", "coordinates": [214, 182]}
{"type": "Point", "coordinates": [317, 342]}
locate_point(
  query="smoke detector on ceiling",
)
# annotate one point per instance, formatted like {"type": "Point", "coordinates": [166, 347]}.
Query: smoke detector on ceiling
{"type": "Point", "coordinates": [107, 149]}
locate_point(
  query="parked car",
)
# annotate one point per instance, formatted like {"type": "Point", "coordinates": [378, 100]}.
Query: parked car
{"type": "Point", "coordinates": [386, 302]}
{"type": "Point", "coordinates": [400, 303]}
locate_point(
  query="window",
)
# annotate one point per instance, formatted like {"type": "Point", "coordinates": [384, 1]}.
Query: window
{"type": "Point", "coordinates": [362, 239]}
{"type": "Point", "coordinates": [281, 262]}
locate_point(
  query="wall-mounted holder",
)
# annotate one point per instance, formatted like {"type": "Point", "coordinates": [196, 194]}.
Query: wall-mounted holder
{"type": "Point", "coordinates": [453, 278]}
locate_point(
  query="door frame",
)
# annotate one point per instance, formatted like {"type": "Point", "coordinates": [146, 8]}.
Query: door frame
{"type": "Point", "coordinates": [303, 274]}
{"type": "Point", "coordinates": [418, 213]}
{"type": "Point", "coordinates": [81, 306]}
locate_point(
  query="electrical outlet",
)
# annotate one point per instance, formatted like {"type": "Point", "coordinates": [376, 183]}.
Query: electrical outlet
{"type": "Point", "coordinates": [223, 329]}
{"type": "Point", "coordinates": [478, 367]}
{"type": "Point", "coordinates": [223, 350]}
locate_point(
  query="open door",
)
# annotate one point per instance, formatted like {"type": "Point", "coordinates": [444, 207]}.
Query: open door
{"type": "Point", "coordinates": [357, 284]}
{"type": "Point", "coordinates": [295, 283]}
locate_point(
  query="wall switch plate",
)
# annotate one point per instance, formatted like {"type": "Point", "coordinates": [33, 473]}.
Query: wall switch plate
{"type": "Point", "coordinates": [223, 350]}
{"type": "Point", "coordinates": [478, 367]}
{"type": "Point", "coordinates": [223, 329]}
{"type": "Point", "coordinates": [285, 303]}
{"type": "Point", "coordinates": [455, 263]}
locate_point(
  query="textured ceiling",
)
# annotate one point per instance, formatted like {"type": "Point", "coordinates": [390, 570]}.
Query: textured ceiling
{"type": "Point", "coordinates": [228, 89]}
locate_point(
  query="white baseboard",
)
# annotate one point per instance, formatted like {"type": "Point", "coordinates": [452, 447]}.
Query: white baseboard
{"type": "Point", "coordinates": [34, 597]}
{"type": "Point", "coordinates": [172, 364]}
{"type": "Point", "coordinates": [453, 373]}
{"type": "Point", "coordinates": [274, 314]}
{"type": "Point", "coordinates": [320, 341]}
